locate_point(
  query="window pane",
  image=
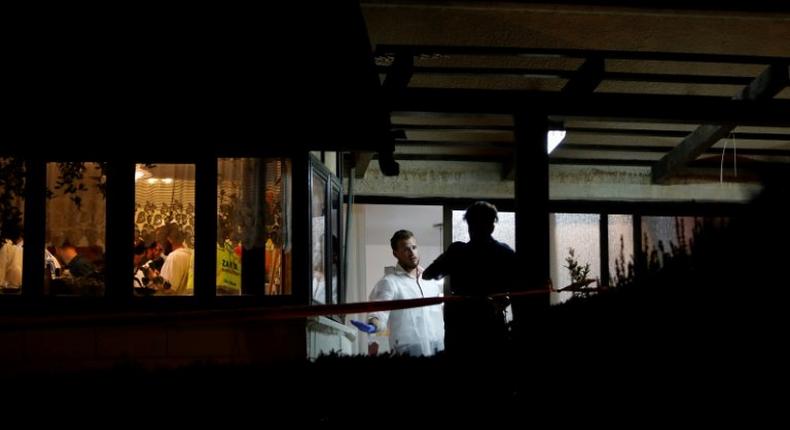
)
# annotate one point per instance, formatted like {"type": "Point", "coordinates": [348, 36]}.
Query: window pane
{"type": "Point", "coordinates": [165, 223]}
{"type": "Point", "coordinates": [253, 226]}
{"type": "Point", "coordinates": [75, 229]}
{"type": "Point", "coordinates": [12, 205]}
{"type": "Point", "coordinates": [663, 236]}
{"type": "Point", "coordinates": [318, 236]}
{"type": "Point", "coordinates": [278, 226]}
{"type": "Point", "coordinates": [580, 232]}
{"type": "Point", "coordinates": [621, 247]}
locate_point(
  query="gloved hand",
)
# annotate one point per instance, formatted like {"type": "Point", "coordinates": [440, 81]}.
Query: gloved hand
{"type": "Point", "coordinates": [367, 328]}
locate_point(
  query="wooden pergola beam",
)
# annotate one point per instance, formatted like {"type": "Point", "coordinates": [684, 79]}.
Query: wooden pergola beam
{"type": "Point", "coordinates": [542, 73]}
{"type": "Point", "coordinates": [587, 77]}
{"type": "Point", "coordinates": [384, 49]}
{"type": "Point", "coordinates": [769, 83]}
{"type": "Point", "coordinates": [607, 106]}
{"type": "Point", "coordinates": [399, 73]}
{"type": "Point", "coordinates": [584, 81]}
{"type": "Point", "coordinates": [360, 162]}
{"type": "Point", "coordinates": [397, 79]}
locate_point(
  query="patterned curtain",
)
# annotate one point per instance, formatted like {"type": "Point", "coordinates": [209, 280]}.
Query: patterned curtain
{"type": "Point", "coordinates": [165, 193]}
{"type": "Point", "coordinates": [254, 204]}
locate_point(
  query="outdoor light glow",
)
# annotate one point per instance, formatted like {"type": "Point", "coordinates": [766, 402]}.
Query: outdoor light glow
{"type": "Point", "coordinates": [554, 138]}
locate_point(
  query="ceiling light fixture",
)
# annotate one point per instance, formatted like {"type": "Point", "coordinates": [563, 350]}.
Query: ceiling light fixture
{"type": "Point", "coordinates": [553, 139]}
{"type": "Point", "coordinates": [141, 172]}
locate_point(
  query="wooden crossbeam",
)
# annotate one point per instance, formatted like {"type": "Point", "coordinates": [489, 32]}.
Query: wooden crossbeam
{"type": "Point", "coordinates": [769, 83]}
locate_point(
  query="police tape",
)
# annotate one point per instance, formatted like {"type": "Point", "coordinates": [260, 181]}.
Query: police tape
{"type": "Point", "coordinates": [238, 314]}
{"type": "Point", "coordinates": [295, 312]}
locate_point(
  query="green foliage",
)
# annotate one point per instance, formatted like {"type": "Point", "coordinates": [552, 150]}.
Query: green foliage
{"type": "Point", "coordinates": [623, 272]}
{"type": "Point", "coordinates": [12, 187]}
{"type": "Point", "coordinates": [70, 181]}
{"type": "Point", "coordinates": [577, 271]}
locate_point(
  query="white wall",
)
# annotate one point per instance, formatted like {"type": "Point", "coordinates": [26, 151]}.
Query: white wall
{"type": "Point", "coordinates": [566, 182]}
{"type": "Point", "coordinates": [384, 220]}
{"type": "Point", "coordinates": [325, 336]}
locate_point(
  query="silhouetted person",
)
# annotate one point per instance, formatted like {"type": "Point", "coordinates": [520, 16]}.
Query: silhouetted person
{"type": "Point", "coordinates": [477, 269]}
{"type": "Point", "coordinates": [10, 255]}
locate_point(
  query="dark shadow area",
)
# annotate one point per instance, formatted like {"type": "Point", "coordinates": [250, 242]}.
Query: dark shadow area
{"type": "Point", "coordinates": [700, 338]}
{"type": "Point", "coordinates": [190, 74]}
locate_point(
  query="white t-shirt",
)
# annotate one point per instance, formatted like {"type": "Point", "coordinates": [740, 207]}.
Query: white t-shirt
{"type": "Point", "coordinates": [10, 265]}
{"type": "Point", "coordinates": [176, 270]}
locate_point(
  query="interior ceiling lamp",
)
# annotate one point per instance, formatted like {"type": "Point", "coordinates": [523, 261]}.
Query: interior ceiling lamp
{"type": "Point", "coordinates": [141, 172]}
{"type": "Point", "coordinates": [154, 181]}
